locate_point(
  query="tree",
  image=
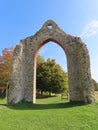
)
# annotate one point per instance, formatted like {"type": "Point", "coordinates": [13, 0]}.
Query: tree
{"type": "Point", "coordinates": [5, 65]}
{"type": "Point", "coordinates": [51, 77]}
{"type": "Point", "coordinates": [59, 81]}
{"type": "Point", "coordinates": [43, 77]}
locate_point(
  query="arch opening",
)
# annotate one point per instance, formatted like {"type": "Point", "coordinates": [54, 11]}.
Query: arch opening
{"type": "Point", "coordinates": [47, 41]}
{"type": "Point", "coordinates": [52, 51]}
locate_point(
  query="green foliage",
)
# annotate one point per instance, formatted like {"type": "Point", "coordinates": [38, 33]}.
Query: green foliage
{"type": "Point", "coordinates": [51, 77]}
{"type": "Point", "coordinates": [2, 93]}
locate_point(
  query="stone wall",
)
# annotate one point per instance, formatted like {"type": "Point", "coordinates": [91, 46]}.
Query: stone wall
{"type": "Point", "coordinates": [23, 78]}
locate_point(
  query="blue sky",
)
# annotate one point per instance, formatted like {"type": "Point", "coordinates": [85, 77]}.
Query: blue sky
{"type": "Point", "coordinates": [22, 18]}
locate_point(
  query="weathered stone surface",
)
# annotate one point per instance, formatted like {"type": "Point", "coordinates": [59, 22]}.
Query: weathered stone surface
{"type": "Point", "coordinates": [23, 77]}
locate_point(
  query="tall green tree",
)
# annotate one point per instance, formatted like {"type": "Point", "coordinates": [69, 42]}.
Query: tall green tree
{"type": "Point", "coordinates": [51, 77]}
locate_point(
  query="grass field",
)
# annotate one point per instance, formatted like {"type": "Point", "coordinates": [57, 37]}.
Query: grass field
{"type": "Point", "coordinates": [48, 114]}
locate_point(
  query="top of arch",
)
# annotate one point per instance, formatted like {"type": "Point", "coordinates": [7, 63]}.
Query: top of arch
{"type": "Point", "coordinates": [50, 24]}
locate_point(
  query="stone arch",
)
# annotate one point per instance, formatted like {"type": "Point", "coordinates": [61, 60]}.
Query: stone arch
{"type": "Point", "coordinates": [23, 77]}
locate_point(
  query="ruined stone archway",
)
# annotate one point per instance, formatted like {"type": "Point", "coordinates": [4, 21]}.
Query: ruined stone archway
{"type": "Point", "coordinates": [23, 77]}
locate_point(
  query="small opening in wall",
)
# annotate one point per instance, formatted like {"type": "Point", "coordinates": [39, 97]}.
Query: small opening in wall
{"type": "Point", "coordinates": [50, 26]}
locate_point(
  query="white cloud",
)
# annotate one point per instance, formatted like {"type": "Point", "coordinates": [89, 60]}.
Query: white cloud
{"type": "Point", "coordinates": [90, 29]}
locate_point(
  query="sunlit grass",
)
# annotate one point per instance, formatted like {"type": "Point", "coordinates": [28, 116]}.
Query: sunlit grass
{"type": "Point", "coordinates": [48, 114]}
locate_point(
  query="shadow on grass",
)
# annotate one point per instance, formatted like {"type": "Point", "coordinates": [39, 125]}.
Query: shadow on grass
{"type": "Point", "coordinates": [30, 106]}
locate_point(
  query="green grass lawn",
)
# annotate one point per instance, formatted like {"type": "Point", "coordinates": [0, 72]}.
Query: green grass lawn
{"type": "Point", "coordinates": [48, 114]}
